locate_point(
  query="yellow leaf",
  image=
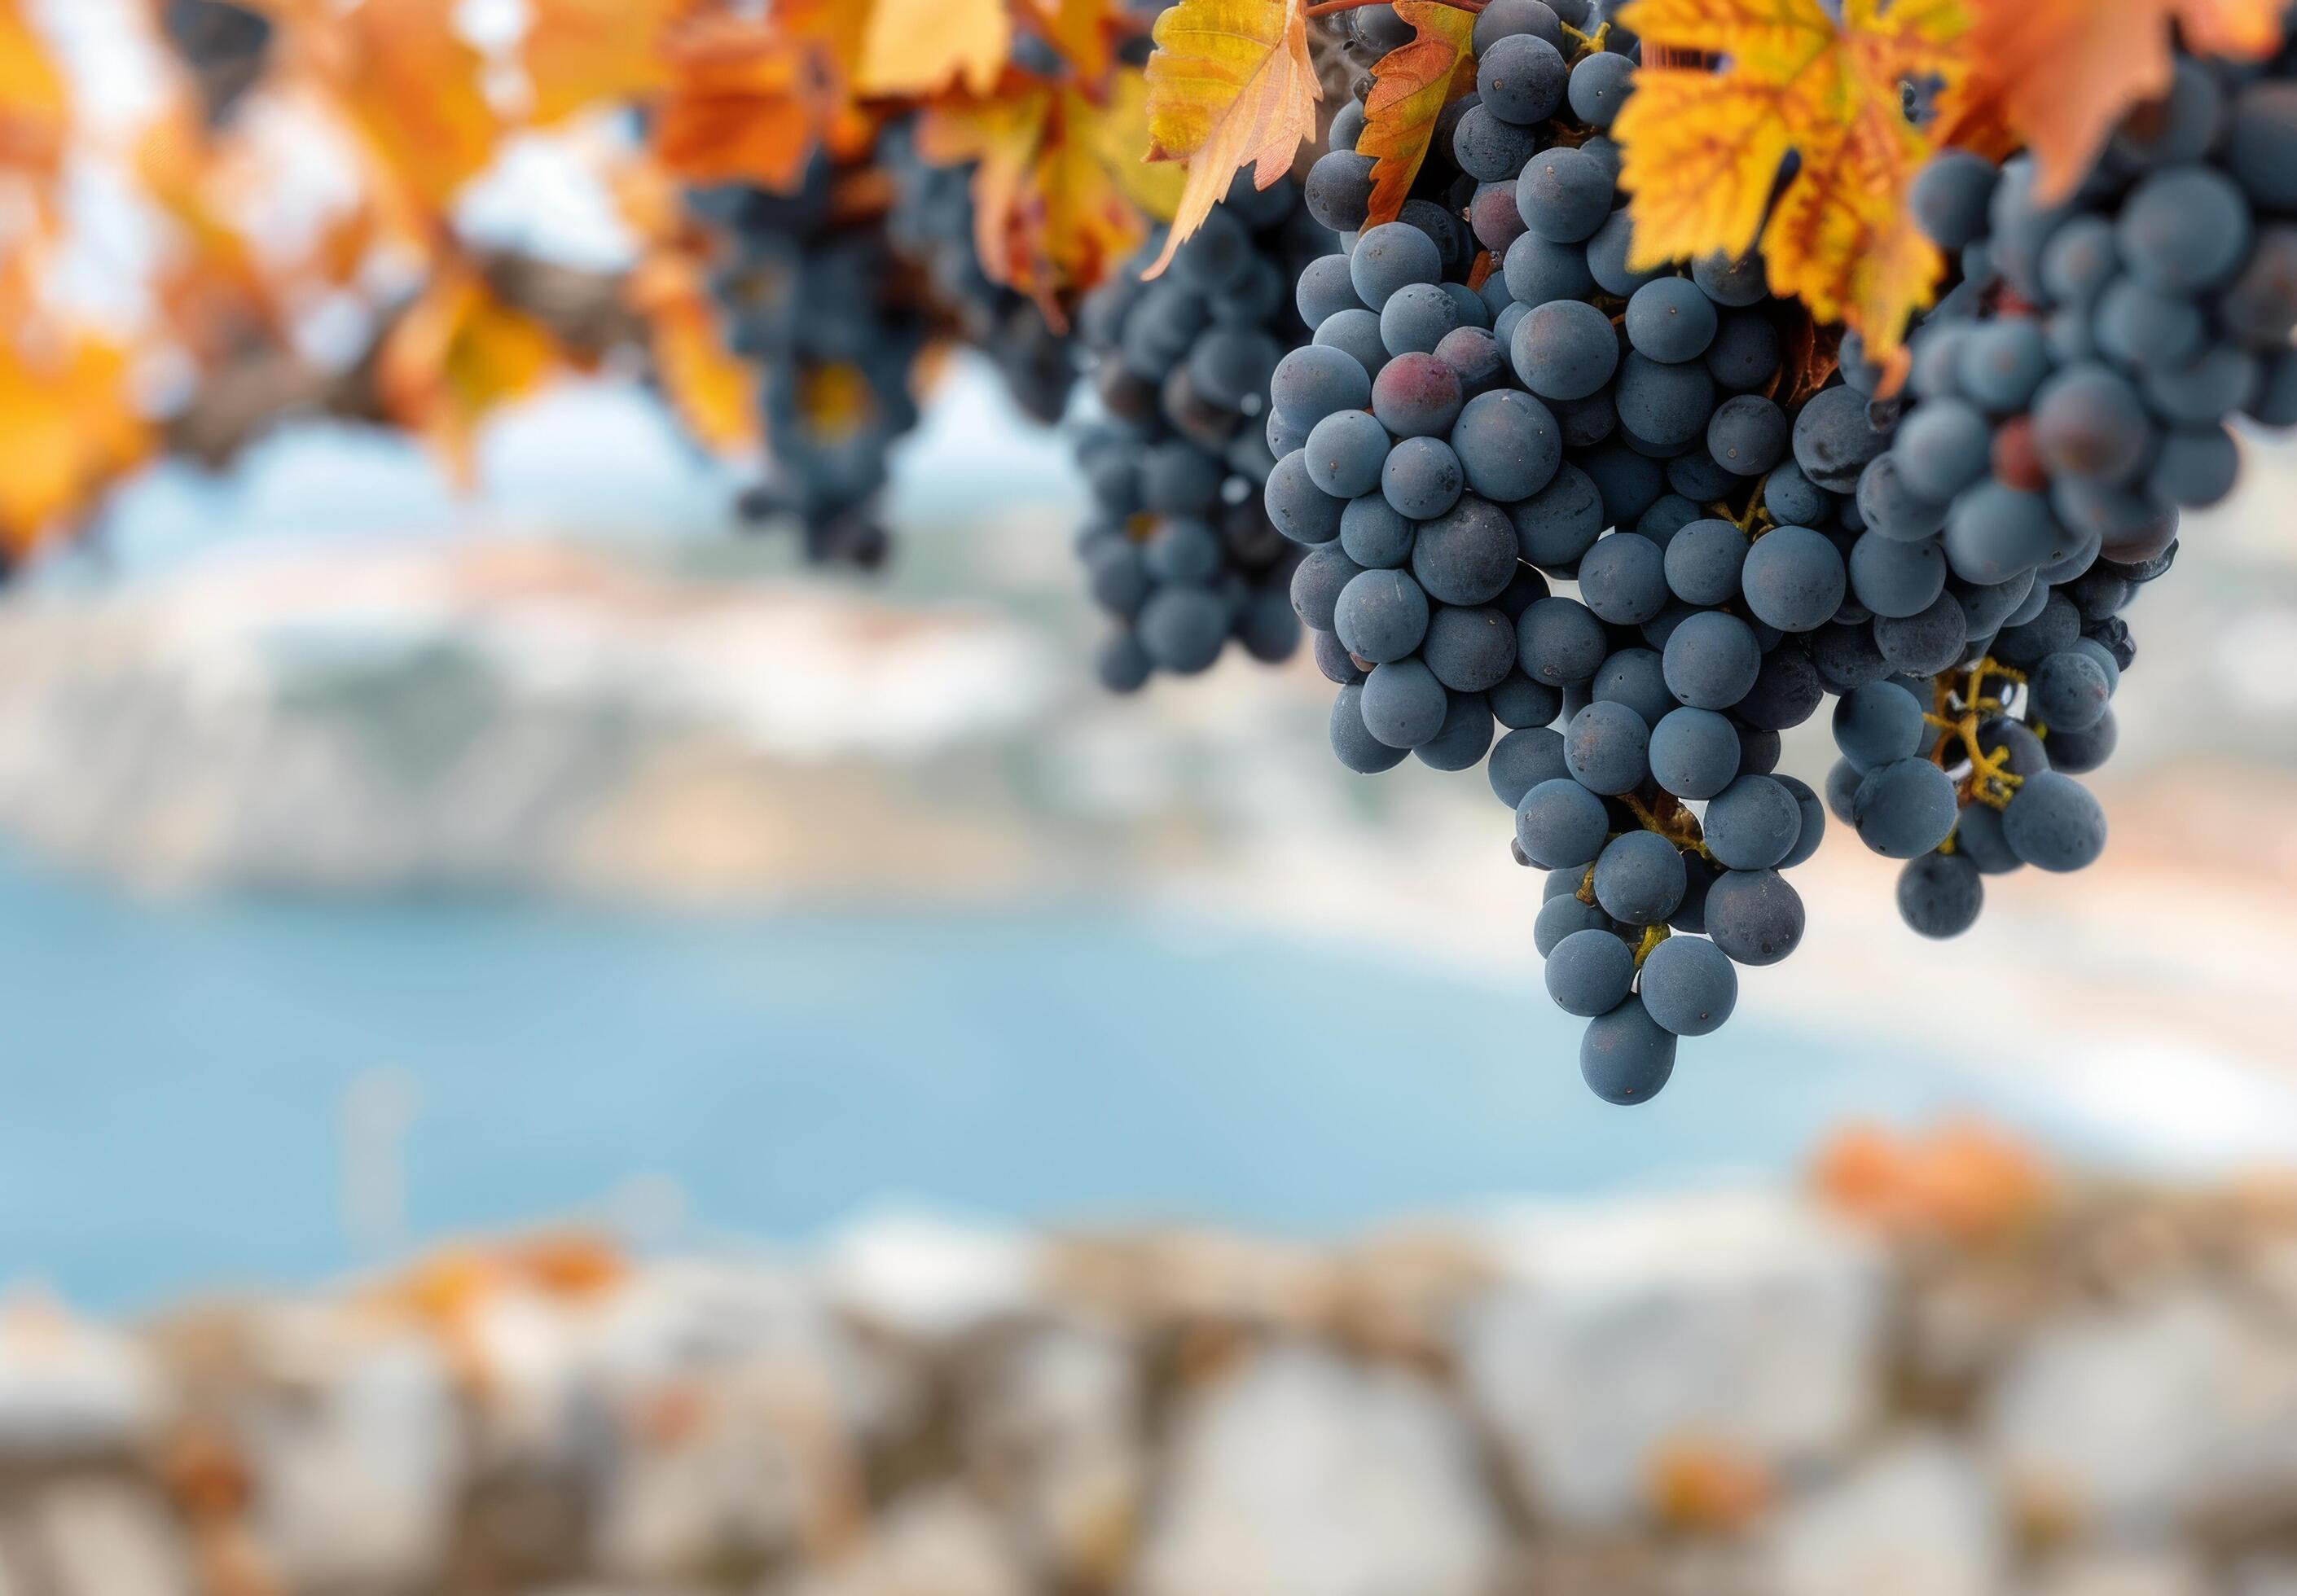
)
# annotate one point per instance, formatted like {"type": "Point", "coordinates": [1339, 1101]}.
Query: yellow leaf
{"type": "Point", "coordinates": [921, 47]}
{"type": "Point", "coordinates": [456, 354]}
{"type": "Point", "coordinates": [1121, 132]}
{"type": "Point", "coordinates": [1230, 86]}
{"type": "Point", "coordinates": [2056, 76]}
{"type": "Point", "coordinates": [67, 430]}
{"type": "Point", "coordinates": [1411, 86]}
{"type": "Point", "coordinates": [1702, 145]}
{"type": "Point", "coordinates": [1078, 29]}
{"type": "Point", "coordinates": [713, 393]}
{"type": "Point", "coordinates": [34, 111]}
{"type": "Point", "coordinates": [1053, 210]}
{"type": "Point", "coordinates": [580, 53]}
{"type": "Point", "coordinates": [405, 81]}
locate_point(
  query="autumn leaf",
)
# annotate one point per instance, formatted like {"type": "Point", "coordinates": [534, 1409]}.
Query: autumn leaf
{"type": "Point", "coordinates": [1230, 86]}
{"type": "Point", "coordinates": [737, 107]}
{"type": "Point", "coordinates": [713, 393]}
{"type": "Point", "coordinates": [1703, 147]}
{"type": "Point", "coordinates": [1079, 31]}
{"type": "Point", "coordinates": [1411, 86]}
{"type": "Point", "coordinates": [66, 430]}
{"type": "Point", "coordinates": [456, 354]}
{"type": "Point", "coordinates": [1121, 132]}
{"type": "Point", "coordinates": [580, 53]}
{"type": "Point", "coordinates": [2056, 76]}
{"type": "Point", "coordinates": [1055, 201]}
{"type": "Point", "coordinates": [407, 82]}
{"type": "Point", "coordinates": [34, 111]}
{"type": "Point", "coordinates": [922, 47]}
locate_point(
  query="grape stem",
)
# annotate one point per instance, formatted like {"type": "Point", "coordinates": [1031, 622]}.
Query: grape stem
{"type": "Point", "coordinates": [1653, 935]}
{"type": "Point", "coordinates": [1959, 706]}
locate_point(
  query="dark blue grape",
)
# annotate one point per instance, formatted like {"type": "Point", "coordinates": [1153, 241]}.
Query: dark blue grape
{"type": "Point", "coordinates": [1565, 350]}
{"type": "Point", "coordinates": [2140, 327]}
{"type": "Point", "coordinates": [1344, 455]}
{"type": "Point", "coordinates": [1607, 748]}
{"type": "Point", "coordinates": [1183, 628]}
{"type": "Point", "coordinates": [1905, 809]}
{"type": "Point", "coordinates": [1940, 895]}
{"type": "Point", "coordinates": [1749, 435]}
{"type": "Point", "coordinates": [1754, 916]}
{"type": "Point", "coordinates": [1694, 753]}
{"type": "Point", "coordinates": [1834, 438]}
{"type": "Point", "coordinates": [1590, 973]}
{"type": "Point", "coordinates": [1623, 579]}
{"type": "Point", "coordinates": [1927, 644]}
{"type": "Point", "coordinates": [1752, 824]}
{"type": "Point", "coordinates": [1607, 257]}
{"type": "Point", "coordinates": [1417, 395]}
{"type": "Point", "coordinates": [1522, 760]}
{"type": "Point", "coordinates": [1352, 743]}
{"type": "Point", "coordinates": [1561, 641]}
{"type": "Point", "coordinates": [1950, 197]}
{"type": "Point", "coordinates": [2055, 824]}
{"type": "Point", "coordinates": [1813, 820]}
{"type": "Point", "coordinates": [1522, 702]}
{"type": "Point", "coordinates": [1355, 333]}
{"type": "Point", "coordinates": [1639, 880]}
{"type": "Point", "coordinates": [1893, 578]}
{"type": "Point", "coordinates": [1626, 1058]}
{"type": "Point", "coordinates": [1416, 318]}
{"type": "Point", "coordinates": [1317, 583]}
{"type": "Point", "coordinates": [1317, 380]}
{"type": "Point", "coordinates": [1467, 556]}
{"type": "Point", "coordinates": [1508, 445]}
{"type": "Point", "coordinates": [1471, 650]}
{"type": "Point", "coordinates": [1794, 579]}
{"type": "Point", "coordinates": [1564, 195]}
{"type": "Point", "coordinates": [1671, 320]}
{"type": "Point", "coordinates": [1404, 704]}
{"type": "Point", "coordinates": [1538, 271]}
{"type": "Point", "coordinates": [1879, 723]}
{"type": "Point", "coordinates": [1464, 737]}
{"type": "Point", "coordinates": [1338, 190]}
{"type": "Point", "coordinates": [1421, 478]}
{"type": "Point", "coordinates": [1712, 660]}
{"type": "Point", "coordinates": [1297, 507]}
{"type": "Point", "coordinates": [2069, 693]}
{"type": "Point", "coordinates": [1636, 677]}
{"type": "Point", "coordinates": [1558, 525]}
{"type": "Point", "coordinates": [1666, 407]}
{"type": "Point", "coordinates": [1562, 825]}
{"type": "Point", "coordinates": [1374, 535]}
{"type": "Point", "coordinates": [1600, 85]}
{"type": "Point", "coordinates": [2184, 231]}
{"type": "Point", "coordinates": [1745, 353]}
{"type": "Point", "coordinates": [1381, 616]}
{"type": "Point", "coordinates": [1688, 986]}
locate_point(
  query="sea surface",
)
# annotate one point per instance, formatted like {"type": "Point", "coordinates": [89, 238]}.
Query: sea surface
{"type": "Point", "coordinates": [197, 1097]}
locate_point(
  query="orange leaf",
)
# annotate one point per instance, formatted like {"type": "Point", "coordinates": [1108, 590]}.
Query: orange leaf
{"type": "Point", "coordinates": [738, 108]}
{"type": "Point", "coordinates": [2057, 75]}
{"type": "Point", "coordinates": [921, 47]}
{"type": "Point", "coordinates": [713, 392]}
{"type": "Point", "coordinates": [584, 53]}
{"type": "Point", "coordinates": [407, 83]}
{"type": "Point", "coordinates": [1230, 86]}
{"type": "Point", "coordinates": [1703, 146]}
{"type": "Point", "coordinates": [1053, 209]}
{"type": "Point", "coordinates": [456, 354]}
{"type": "Point", "coordinates": [66, 430]}
{"type": "Point", "coordinates": [1079, 31]}
{"type": "Point", "coordinates": [1411, 86]}
{"type": "Point", "coordinates": [33, 109]}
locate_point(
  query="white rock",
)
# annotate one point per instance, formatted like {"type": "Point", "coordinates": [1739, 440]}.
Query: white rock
{"type": "Point", "coordinates": [70, 1387]}
{"type": "Point", "coordinates": [1749, 1322]}
{"type": "Point", "coordinates": [1915, 1520]}
{"type": "Point", "coordinates": [936, 1543]}
{"type": "Point", "coordinates": [2141, 1418]}
{"type": "Point", "coordinates": [929, 1275]}
{"type": "Point", "coordinates": [106, 1539]}
{"type": "Point", "coordinates": [2159, 1572]}
{"type": "Point", "coordinates": [362, 1462]}
{"type": "Point", "coordinates": [1303, 1476]}
{"type": "Point", "coordinates": [1054, 1427]}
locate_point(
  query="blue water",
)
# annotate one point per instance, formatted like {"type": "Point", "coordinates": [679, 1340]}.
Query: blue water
{"type": "Point", "coordinates": [173, 1077]}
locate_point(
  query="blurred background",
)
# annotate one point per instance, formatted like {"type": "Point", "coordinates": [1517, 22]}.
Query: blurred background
{"type": "Point", "coordinates": [545, 1043]}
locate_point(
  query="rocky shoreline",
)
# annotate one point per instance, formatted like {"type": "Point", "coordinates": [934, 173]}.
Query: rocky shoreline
{"type": "Point", "coordinates": [1939, 1371]}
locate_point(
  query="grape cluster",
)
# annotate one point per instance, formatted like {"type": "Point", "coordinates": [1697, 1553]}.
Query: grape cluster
{"type": "Point", "coordinates": [931, 225]}
{"type": "Point", "coordinates": [820, 302]}
{"type": "Point", "coordinates": [1494, 404]}
{"type": "Point", "coordinates": [1179, 551]}
{"type": "Point", "coordinates": [2067, 400]}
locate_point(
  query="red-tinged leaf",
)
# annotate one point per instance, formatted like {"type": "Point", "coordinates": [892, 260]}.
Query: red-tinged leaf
{"type": "Point", "coordinates": [1411, 86]}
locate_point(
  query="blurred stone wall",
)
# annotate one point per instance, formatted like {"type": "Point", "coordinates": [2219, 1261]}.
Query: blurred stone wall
{"type": "Point", "coordinates": [1932, 1384]}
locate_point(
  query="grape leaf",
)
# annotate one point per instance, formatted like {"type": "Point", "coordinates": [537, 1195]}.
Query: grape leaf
{"type": "Point", "coordinates": [713, 393]}
{"type": "Point", "coordinates": [67, 429]}
{"type": "Point", "coordinates": [411, 86]}
{"type": "Point", "coordinates": [1411, 86]}
{"type": "Point", "coordinates": [1079, 31]}
{"type": "Point", "coordinates": [1704, 145]}
{"type": "Point", "coordinates": [737, 107]}
{"type": "Point", "coordinates": [580, 53]}
{"type": "Point", "coordinates": [455, 355]}
{"type": "Point", "coordinates": [1055, 201]}
{"type": "Point", "coordinates": [2055, 76]}
{"type": "Point", "coordinates": [1230, 86]}
{"type": "Point", "coordinates": [922, 47]}
{"type": "Point", "coordinates": [33, 108]}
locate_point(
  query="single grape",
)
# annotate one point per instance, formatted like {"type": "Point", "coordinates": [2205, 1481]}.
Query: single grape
{"type": "Point", "coordinates": [1467, 556]}
{"type": "Point", "coordinates": [1562, 825]}
{"type": "Point", "coordinates": [1626, 1058]}
{"type": "Point", "coordinates": [1754, 916]}
{"type": "Point", "coordinates": [1417, 395]}
{"type": "Point", "coordinates": [1508, 444]}
{"type": "Point", "coordinates": [1694, 753]}
{"type": "Point", "coordinates": [1688, 986]}
{"type": "Point", "coordinates": [1381, 616]}
{"type": "Point", "coordinates": [1564, 195]}
{"type": "Point", "coordinates": [1565, 350]}
{"type": "Point", "coordinates": [1590, 973]}
{"type": "Point", "coordinates": [1752, 824]}
{"type": "Point", "coordinates": [2054, 824]}
{"type": "Point", "coordinates": [1623, 579]}
{"type": "Point", "coordinates": [1940, 895]}
{"type": "Point", "coordinates": [1607, 748]}
{"type": "Point", "coordinates": [1712, 660]}
{"type": "Point", "coordinates": [1639, 880]}
{"type": "Point", "coordinates": [1794, 579]}
{"type": "Point", "coordinates": [1421, 478]}
{"type": "Point", "coordinates": [1905, 809]}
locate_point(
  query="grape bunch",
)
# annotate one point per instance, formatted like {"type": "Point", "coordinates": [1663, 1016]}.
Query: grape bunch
{"type": "Point", "coordinates": [1494, 404]}
{"type": "Point", "coordinates": [931, 225]}
{"type": "Point", "coordinates": [2067, 398]}
{"type": "Point", "coordinates": [820, 302]}
{"type": "Point", "coordinates": [1178, 552]}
